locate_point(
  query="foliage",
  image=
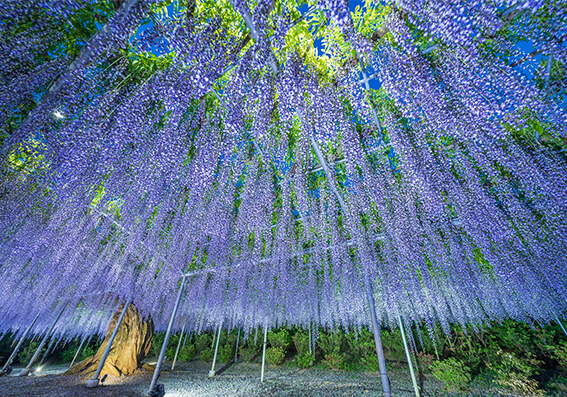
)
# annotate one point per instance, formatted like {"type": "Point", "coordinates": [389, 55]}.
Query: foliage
{"type": "Point", "coordinates": [301, 342]}
{"type": "Point", "coordinates": [157, 342]}
{"type": "Point", "coordinates": [275, 355]}
{"type": "Point", "coordinates": [206, 354]}
{"type": "Point", "coordinates": [226, 353]}
{"type": "Point", "coordinates": [371, 362]}
{"type": "Point", "coordinates": [454, 374]}
{"type": "Point", "coordinates": [305, 360]}
{"type": "Point", "coordinates": [25, 354]}
{"type": "Point", "coordinates": [67, 353]}
{"type": "Point", "coordinates": [393, 345]}
{"type": "Point", "coordinates": [331, 343]}
{"type": "Point", "coordinates": [248, 352]}
{"type": "Point", "coordinates": [172, 345]}
{"type": "Point", "coordinates": [426, 360]}
{"type": "Point", "coordinates": [559, 352]}
{"type": "Point", "coordinates": [132, 154]}
{"type": "Point", "coordinates": [363, 349]}
{"type": "Point", "coordinates": [514, 374]}
{"type": "Point", "coordinates": [203, 341]}
{"type": "Point", "coordinates": [280, 338]}
{"type": "Point", "coordinates": [333, 361]}
{"type": "Point", "coordinates": [187, 352]}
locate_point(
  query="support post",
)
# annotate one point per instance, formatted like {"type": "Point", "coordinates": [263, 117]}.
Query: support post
{"type": "Point", "coordinates": [367, 285]}
{"type": "Point", "coordinates": [153, 384]}
{"type": "Point", "coordinates": [47, 351]}
{"type": "Point", "coordinates": [237, 341]}
{"type": "Point", "coordinates": [377, 338]}
{"type": "Point", "coordinates": [560, 324]}
{"type": "Point", "coordinates": [26, 371]}
{"type": "Point", "coordinates": [212, 371]}
{"type": "Point", "coordinates": [178, 346]}
{"type": "Point", "coordinates": [408, 356]}
{"type": "Point", "coordinates": [548, 70]}
{"type": "Point", "coordinates": [95, 381]}
{"type": "Point", "coordinates": [185, 339]}
{"type": "Point", "coordinates": [310, 339]}
{"type": "Point", "coordinates": [17, 348]}
{"type": "Point", "coordinates": [264, 353]}
{"type": "Point", "coordinates": [79, 349]}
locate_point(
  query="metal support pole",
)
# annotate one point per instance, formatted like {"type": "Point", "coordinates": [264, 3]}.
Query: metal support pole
{"type": "Point", "coordinates": [264, 353]}
{"type": "Point", "coordinates": [47, 351]}
{"type": "Point", "coordinates": [377, 339]}
{"type": "Point", "coordinates": [185, 339]}
{"type": "Point", "coordinates": [95, 381]}
{"type": "Point", "coordinates": [79, 349]}
{"type": "Point", "coordinates": [548, 70]}
{"type": "Point", "coordinates": [17, 348]}
{"type": "Point", "coordinates": [560, 324]}
{"type": "Point", "coordinates": [412, 373]}
{"type": "Point", "coordinates": [368, 288]}
{"type": "Point", "coordinates": [159, 363]}
{"type": "Point", "coordinates": [178, 346]}
{"type": "Point", "coordinates": [212, 371]}
{"type": "Point", "coordinates": [26, 371]}
{"type": "Point", "coordinates": [237, 341]}
{"type": "Point", "coordinates": [310, 339]}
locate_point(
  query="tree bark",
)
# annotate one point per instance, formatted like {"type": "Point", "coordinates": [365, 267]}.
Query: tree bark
{"type": "Point", "coordinates": [130, 347]}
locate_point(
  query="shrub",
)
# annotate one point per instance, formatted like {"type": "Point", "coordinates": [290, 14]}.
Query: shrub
{"type": "Point", "coordinates": [226, 353]}
{"type": "Point", "coordinates": [248, 352]}
{"type": "Point", "coordinates": [172, 346]}
{"type": "Point", "coordinates": [187, 352]}
{"type": "Point", "coordinates": [275, 355]}
{"type": "Point", "coordinates": [229, 338]}
{"type": "Point", "coordinates": [454, 374]}
{"type": "Point", "coordinates": [280, 339]}
{"type": "Point", "coordinates": [25, 355]}
{"type": "Point", "coordinates": [202, 342]}
{"type": "Point", "coordinates": [301, 342]}
{"type": "Point", "coordinates": [363, 348]}
{"type": "Point", "coordinates": [305, 360]}
{"type": "Point", "coordinates": [393, 345]}
{"type": "Point", "coordinates": [330, 343]}
{"type": "Point", "coordinates": [206, 354]}
{"type": "Point", "coordinates": [157, 341]}
{"type": "Point", "coordinates": [514, 374]}
{"type": "Point", "coordinates": [333, 361]}
{"type": "Point", "coordinates": [559, 352]}
{"type": "Point", "coordinates": [87, 351]}
{"type": "Point", "coordinates": [426, 360]}
{"type": "Point", "coordinates": [371, 362]}
{"type": "Point", "coordinates": [69, 351]}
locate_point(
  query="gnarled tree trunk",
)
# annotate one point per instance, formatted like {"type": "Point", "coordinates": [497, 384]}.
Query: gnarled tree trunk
{"type": "Point", "coordinates": [130, 347]}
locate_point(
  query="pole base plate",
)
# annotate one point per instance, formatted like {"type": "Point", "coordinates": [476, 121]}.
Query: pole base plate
{"type": "Point", "coordinates": [24, 372]}
{"type": "Point", "coordinates": [212, 373]}
{"type": "Point", "coordinates": [92, 383]}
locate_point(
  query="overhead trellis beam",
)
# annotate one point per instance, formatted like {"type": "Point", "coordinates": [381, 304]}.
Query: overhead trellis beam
{"type": "Point", "coordinates": [258, 36]}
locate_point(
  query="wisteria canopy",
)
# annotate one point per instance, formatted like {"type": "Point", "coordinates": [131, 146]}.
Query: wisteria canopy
{"type": "Point", "coordinates": [278, 156]}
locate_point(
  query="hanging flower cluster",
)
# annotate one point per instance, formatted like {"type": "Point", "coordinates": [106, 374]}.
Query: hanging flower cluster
{"type": "Point", "coordinates": [278, 194]}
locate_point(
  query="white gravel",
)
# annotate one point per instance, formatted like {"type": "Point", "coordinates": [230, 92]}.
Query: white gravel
{"type": "Point", "coordinates": [241, 379]}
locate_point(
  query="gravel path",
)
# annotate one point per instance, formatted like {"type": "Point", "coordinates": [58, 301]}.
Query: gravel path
{"type": "Point", "coordinates": [242, 379]}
